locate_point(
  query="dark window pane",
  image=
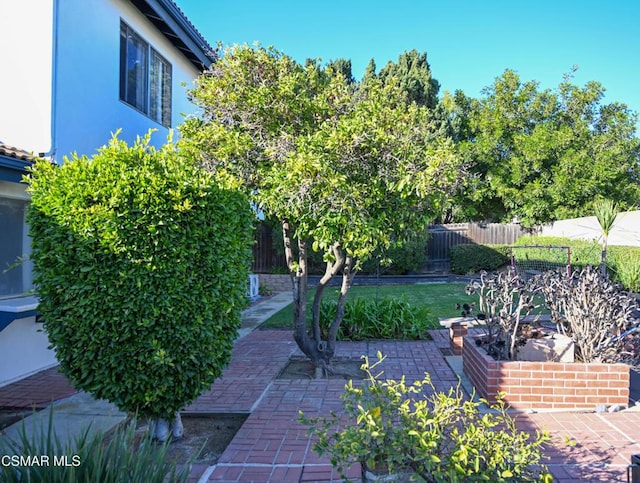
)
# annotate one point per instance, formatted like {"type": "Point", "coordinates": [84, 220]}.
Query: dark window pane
{"type": "Point", "coordinates": [160, 89]}
{"type": "Point", "coordinates": [133, 68]}
{"type": "Point", "coordinates": [14, 279]}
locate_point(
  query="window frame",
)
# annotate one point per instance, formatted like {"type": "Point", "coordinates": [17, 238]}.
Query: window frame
{"type": "Point", "coordinates": [140, 91]}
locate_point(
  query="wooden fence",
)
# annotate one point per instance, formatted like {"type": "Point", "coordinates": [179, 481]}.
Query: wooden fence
{"type": "Point", "coordinates": [268, 256]}
{"type": "Point", "coordinates": [443, 237]}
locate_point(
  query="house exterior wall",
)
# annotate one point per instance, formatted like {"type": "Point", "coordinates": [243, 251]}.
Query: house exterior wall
{"type": "Point", "coordinates": [24, 350]}
{"type": "Point", "coordinates": [64, 64]}
{"type": "Point", "coordinates": [88, 107]}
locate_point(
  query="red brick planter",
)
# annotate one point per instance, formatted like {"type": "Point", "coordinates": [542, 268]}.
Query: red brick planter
{"type": "Point", "coordinates": [545, 385]}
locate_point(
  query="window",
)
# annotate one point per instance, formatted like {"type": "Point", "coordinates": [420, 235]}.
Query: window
{"type": "Point", "coordinates": [145, 77]}
{"type": "Point", "coordinates": [15, 245]}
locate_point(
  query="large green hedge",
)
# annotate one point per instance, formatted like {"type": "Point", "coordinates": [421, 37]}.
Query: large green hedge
{"type": "Point", "coordinates": [141, 265]}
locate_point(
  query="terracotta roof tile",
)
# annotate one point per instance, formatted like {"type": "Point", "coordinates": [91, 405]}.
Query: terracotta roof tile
{"type": "Point", "coordinates": [16, 153]}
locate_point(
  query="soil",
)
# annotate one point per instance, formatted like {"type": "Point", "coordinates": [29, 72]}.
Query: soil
{"type": "Point", "coordinates": [206, 436]}
{"type": "Point", "coordinates": [304, 369]}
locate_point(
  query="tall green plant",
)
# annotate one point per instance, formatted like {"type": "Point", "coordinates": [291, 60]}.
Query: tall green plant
{"type": "Point", "coordinates": [606, 212]}
{"type": "Point", "coordinates": [379, 318]}
{"type": "Point", "coordinates": [141, 264]}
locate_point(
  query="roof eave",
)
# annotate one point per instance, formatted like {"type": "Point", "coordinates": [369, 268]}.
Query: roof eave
{"type": "Point", "coordinates": [12, 169]}
{"type": "Point", "coordinates": [175, 26]}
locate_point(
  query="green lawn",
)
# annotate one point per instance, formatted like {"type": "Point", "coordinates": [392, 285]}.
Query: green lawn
{"type": "Point", "coordinates": [440, 298]}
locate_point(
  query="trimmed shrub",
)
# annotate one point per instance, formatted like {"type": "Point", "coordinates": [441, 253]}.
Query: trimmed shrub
{"type": "Point", "coordinates": [141, 264]}
{"type": "Point", "coordinates": [473, 258]}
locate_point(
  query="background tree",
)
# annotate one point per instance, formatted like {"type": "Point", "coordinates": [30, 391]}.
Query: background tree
{"type": "Point", "coordinates": [414, 74]}
{"type": "Point", "coordinates": [545, 155]}
{"type": "Point", "coordinates": [141, 266]}
{"type": "Point", "coordinates": [346, 172]}
{"type": "Point", "coordinates": [343, 66]}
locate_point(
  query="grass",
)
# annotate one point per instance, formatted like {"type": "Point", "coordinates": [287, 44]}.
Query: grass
{"type": "Point", "coordinates": [439, 298]}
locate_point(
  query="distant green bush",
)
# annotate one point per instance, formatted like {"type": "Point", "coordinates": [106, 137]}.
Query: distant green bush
{"type": "Point", "coordinates": [400, 258]}
{"type": "Point", "coordinates": [623, 264]}
{"type": "Point", "coordinates": [141, 265]}
{"type": "Point", "coordinates": [473, 258]}
{"type": "Point", "coordinates": [583, 252]}
{"type": "Point", "coordinates": [383, 318]}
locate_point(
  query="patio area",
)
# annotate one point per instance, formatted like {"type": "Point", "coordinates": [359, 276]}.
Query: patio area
{"type": "Point", "coordinates": [271, 446]}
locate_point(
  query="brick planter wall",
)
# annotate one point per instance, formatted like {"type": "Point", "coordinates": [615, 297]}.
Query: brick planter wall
{"type": "Point", "coordinates": [276, 282]}
{"type": "Point", "coordinates": [545, 385]}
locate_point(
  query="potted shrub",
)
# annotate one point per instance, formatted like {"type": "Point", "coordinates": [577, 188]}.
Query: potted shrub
{"type": "Point", "coordinates": [586, 309]}
{"type": "Point", "coordinates": [410, 432]}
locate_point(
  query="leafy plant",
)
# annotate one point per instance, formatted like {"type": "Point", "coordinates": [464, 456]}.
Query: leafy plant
{"type": "Point", "coordinates": [88, 458]}
{"type": "Point", "coordinates": [379, 318]}
{"type": "Point", "coordinates": [606, 212]}
{"type": "Point", "coordinates": [392, 427]}
{"type": "Point", "coordinates": [625, 267]}
{"type": "Point", "coordinates": [595, 313]}
{"type": "Point", "coordinates": [141, 265]}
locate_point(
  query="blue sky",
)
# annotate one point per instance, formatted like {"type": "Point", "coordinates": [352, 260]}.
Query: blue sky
{"type": "Point", "coordinates": [469, 42]}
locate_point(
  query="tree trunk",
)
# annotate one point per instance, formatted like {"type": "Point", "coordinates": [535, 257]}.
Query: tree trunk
{"type": "Point", "coordinates": [164, 429]}
{"type": "Point", "coordinates": [603, 260]}
{"type": "Point", "coordinates": [310, 341]}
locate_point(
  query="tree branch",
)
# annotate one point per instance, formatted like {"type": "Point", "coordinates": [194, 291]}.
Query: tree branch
{"type": "Point", "coordinates": [347, 278]}
{"type": "Point", "coordinates": [330, 272]}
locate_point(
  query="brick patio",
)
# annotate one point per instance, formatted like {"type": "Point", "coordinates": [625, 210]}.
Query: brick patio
{"type": "Point", "coordinates": [272, 446]}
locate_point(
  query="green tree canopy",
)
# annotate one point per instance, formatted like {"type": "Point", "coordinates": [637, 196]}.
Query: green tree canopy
{"type": "Point", "coordinates": [346, 171]}
{"type": "Point", "coordinates": [542, 155]}
{"type": "Point", "coordinates": [414, 74]}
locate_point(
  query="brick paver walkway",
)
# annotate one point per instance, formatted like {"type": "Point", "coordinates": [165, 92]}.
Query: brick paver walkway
{"type": "Point", "coordinates": [272, 446]}
{"type": "Point", "coordinates": [36, 391]}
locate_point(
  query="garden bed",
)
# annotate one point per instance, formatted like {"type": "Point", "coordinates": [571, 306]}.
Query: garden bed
{"type": "Point", "coordinates": [545, 385]}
